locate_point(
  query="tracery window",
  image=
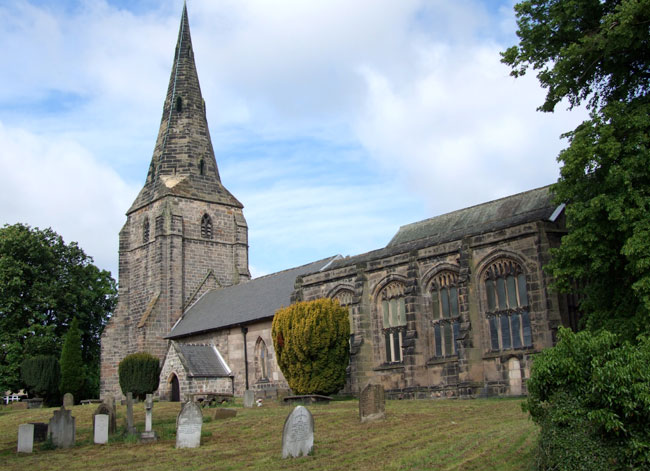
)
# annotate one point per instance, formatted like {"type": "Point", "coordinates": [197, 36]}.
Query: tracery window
{"type": "Point", "coordinates": [145, 231]}
{"type": "Point", "coordinates": [445, 313]}
{"type": "Point", "coordinates": [206, 227]}
{"type": "Point", "coordinates": [507, 306]}
{"type": "Point", "coordinates": [393, 315]}
{"type": "Point", "coordinates": [261, 361]}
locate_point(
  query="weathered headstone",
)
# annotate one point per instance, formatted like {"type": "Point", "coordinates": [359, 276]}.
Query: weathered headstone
{"type": "Point", "coordinates": [298, 433]}
{"type": "Point", "coordinates": [25, 438]}
{"type": "Point", "coordinates": [249, 398]}
{"type": "Point", "coordinates": [130, 428]}
{"type": "Point", "coordinates": [101, 428]}
{"type": "Point", "coordinates": [372, 403]}
{"type": "Point", "coordinates": [148, 435]}
{"type": "Point", "coordinates": [62, 428]}
{"type": "Point", "coordinates": [110, 412]}
{"type": "Point", "coordinates": [222, 413]}
{"type": "Point", "coordinates": [68, 400]}
{"type": "Point", "coordinates": [40, 432]}
{"type": "Point", "coordinates": [35, 403]}
{"type": "Point", "coordinates": [188, 426]}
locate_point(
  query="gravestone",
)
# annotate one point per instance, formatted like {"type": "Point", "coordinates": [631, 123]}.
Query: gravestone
{"type": "Point", "coordinates": [25, 438]}
{"type": "Point", "coordinates": [372, 403]}
{"type": "Point", "coordinates": [225, 413]}
{"type": "Point", "coordinates": [68, 400]}
{"type": "Point", "coordinates": [249, 398]}
{"type": "Point", "coordinates": [130, 428]}
{"type": "Point", "coordinates": [188, 426]}
{"type": "Point", "coordinates": [148, 435]}
{"type": "Point", "coordinates": [101, 428]}
{"type": "Point", "coordinates": [62, 428]}
{"type": "Point", "coordinates": [35, 403]}
{"type": "Point", "coordinates": [40, 432]}
{"type": "Point", "coordinates": [110, 412]}
{"type": "Point", "coordinates": [298, 433]}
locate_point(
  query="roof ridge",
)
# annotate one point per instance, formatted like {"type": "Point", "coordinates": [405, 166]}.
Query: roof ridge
{"type": "Point", "coordinates": [327, 259]}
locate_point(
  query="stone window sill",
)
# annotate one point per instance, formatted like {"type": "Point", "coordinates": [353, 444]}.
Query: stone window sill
{"type": "Point", "coordinates": [509, 352]}
{"type": "Point", "coordinates": [390, 366]}
{"type": "Point", "coordinates": [442, 360]}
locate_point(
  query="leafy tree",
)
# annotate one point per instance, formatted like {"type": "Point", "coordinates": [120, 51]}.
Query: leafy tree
{"type": "Point", "coordinates": [72, 367]}
{"type": "Point", "coordinates": [597, 53]}
{"type": "Point", "coordinates": [591, 396]}
{"type": "Point", "coordinates": [311, 341]}
{"type": "Point", "coordinates": [139, 374]}
{"type": "Point", "coordinates": [43, 284]}
{"type": "Point", "coordinates": [41, 375]}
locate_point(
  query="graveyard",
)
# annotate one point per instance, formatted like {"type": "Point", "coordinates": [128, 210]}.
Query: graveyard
{"type": "Point", "coordinates": [482, 434]}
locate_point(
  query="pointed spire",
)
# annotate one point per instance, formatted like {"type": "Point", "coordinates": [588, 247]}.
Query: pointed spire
{"type": "Point", "coordinates": [183, 162]}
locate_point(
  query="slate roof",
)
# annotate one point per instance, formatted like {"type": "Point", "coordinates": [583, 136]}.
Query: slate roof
{"type": "Point", "coordinates": [202, 360]}
{"type": "Point", "coordinates": [256, 299]}
{"type": "Point", "coordinates": [532, 205]}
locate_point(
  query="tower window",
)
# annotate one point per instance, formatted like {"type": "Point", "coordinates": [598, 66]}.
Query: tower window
{"type": "Point", "coordinates": [206, 227]}
{"type": "Point", "coordinates": [201, 167]}
{"type": "Point", "coordinates": [179, 104]}
{"type": "Point", "coordinates": [145, 231]}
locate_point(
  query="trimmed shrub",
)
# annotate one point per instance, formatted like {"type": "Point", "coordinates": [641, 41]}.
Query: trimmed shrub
{"type": "Point", "coordinates": [41, 375]}
{"type": "Point", "coordinates": [72, 365]}
{"type": "Point", "coordinates": [139, 374]}
{"type": "Point", "coordinates": [591, 396]}
{"type": "Point", "coordinates": [311, 341]}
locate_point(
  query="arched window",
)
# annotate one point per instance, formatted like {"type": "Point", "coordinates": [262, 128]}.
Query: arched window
{"type": "Point", "coordinates": [445, 313]}
{"type": "Point", "coordinates": [507, 306]}
{"type": "Point", "coordinates": [145, 230]}
{"type": "Point", "coordinates": [206, 227]}
{"type": "Point", "coordinates": [179, 104]}
{"type": "Point", "coordinates": [393, 315]}
{"type": "Point", "coordinates": [261, 360]}
{"type": "Point", "coordinates": [344, 297]}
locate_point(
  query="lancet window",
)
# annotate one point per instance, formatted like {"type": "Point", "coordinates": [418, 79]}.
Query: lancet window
{"type": "Point", "coordinates": [445, 307]}
{"type": "Point", "coordinates": [393, 315]}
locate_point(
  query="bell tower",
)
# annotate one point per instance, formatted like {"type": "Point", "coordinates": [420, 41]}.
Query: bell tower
{"type": "Point", "coordinates": [185, 232]}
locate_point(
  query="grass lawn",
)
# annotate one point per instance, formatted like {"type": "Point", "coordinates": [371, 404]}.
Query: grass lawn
{"type": "Point", "coordinates": [490, 434]}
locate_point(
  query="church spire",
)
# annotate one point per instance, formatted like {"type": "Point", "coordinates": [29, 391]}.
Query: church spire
{"type": "Point", "coordinates": [183, 162]}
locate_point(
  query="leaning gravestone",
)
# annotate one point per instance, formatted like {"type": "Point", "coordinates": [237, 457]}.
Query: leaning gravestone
{"type": "Point", "coordinates": [249, 398]}
{"type": "Point", "coordinates": [298, 433]}
{"type": "Point", "coordinates": [372, 403]}
{"type": "Point", "coordinates": [25, 438]}
{"type": "Point", "coordinates": [62, 428]}
{"type": "Point", "coordinates": [101, 428]}
{"type": "Point", "coordinates": [110, 412]}
{"type": "Point", "coordinates": [68, 400]}
{"type": "Point", "coordinates": [188, 426]}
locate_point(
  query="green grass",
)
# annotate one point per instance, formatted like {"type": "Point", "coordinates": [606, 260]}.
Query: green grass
{"type": "Point", "coordinates": [416, 435]}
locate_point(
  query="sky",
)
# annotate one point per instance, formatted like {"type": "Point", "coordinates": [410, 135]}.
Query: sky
{"type": "Point", "coordinates": [334, 122]}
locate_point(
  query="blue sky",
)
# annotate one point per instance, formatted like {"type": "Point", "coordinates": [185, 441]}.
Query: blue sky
{"type": "Point", "coordinates": [333, 122]}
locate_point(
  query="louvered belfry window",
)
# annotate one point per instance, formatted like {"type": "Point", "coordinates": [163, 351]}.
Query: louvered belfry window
{"type": "Point", "coordinates": [206, 227]}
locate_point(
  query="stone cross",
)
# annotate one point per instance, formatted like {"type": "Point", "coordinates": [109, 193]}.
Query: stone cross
{"type": "Point", "coordinates": [298, 433]}
{"type": "Point", "coordinates": [68, 400]}
{"type": "Point", "coordinates": [148, 435]}
{"type": "Point", "coordinates": [25, 438]}
{"type": "Point", "coordinates": [372, 403]}
{"type": "Point", "coordinates": [188, 426]}
{"type": "Point", "coordinates": [62, 428]}
{"type": "Point", "coordinates": [101, 428]}
{"type": "Point", "coordinates": [130, 428]}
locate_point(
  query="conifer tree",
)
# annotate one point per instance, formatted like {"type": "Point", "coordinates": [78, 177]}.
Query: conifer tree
{"type": "Point", "coordinates": [72, 367]}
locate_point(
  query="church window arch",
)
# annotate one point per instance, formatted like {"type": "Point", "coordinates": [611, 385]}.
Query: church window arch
{"type": "Point", "coordinates": [261, 360]}
{"type": "Point", "coordinates": [392, 309]}
{"type": "Point", "coordinates": [345, 297]}
{"type": "Point", "coordinates": [507, 306]}
{"type": "Point", "coordinates": [145, 230]}
{"type": "Point", "coordinates": [206, 227]}
{"type": "Point", "coordinates": [445, 313]}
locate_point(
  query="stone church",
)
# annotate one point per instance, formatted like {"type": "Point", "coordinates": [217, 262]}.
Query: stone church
{"type": "Point", "coordinates": [453, 306]}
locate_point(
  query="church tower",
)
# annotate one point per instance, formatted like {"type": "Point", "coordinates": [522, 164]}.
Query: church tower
{"type": "Point", "coordinates": [185, 232]}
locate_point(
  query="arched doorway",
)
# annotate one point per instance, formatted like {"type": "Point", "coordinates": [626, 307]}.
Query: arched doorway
{"type": "Point", "coordinates": [176, 389]}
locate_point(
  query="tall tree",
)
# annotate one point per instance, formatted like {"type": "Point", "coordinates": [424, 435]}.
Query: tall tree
{"type": "Point", "coordinates": [597, 53]}
{"type": "Point", "coordinates": [44, 283]}
{"type": "Point", "coordinates": [72, 367]}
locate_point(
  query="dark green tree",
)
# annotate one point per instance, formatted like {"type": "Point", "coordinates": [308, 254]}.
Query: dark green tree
{"type": "Point", "coordinates": [597, 53]}
{"type": "Point", "coordinates": [41, 375]}
{"type": "Point", "coordinates": [311, 341]}
{"type": "Point", "coordinates": [43, 284]}
{"type": "Point", "coordinates": [139, 374]}
{"type": "Point", "coordinates": [72, 367]}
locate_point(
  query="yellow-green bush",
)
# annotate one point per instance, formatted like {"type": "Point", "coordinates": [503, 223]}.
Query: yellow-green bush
{"type": "Point", "coordinates": [311, 341]}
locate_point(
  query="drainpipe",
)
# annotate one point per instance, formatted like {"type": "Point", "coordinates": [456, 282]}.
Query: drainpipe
{"type": "Point", "coordinates": [244, 330]}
